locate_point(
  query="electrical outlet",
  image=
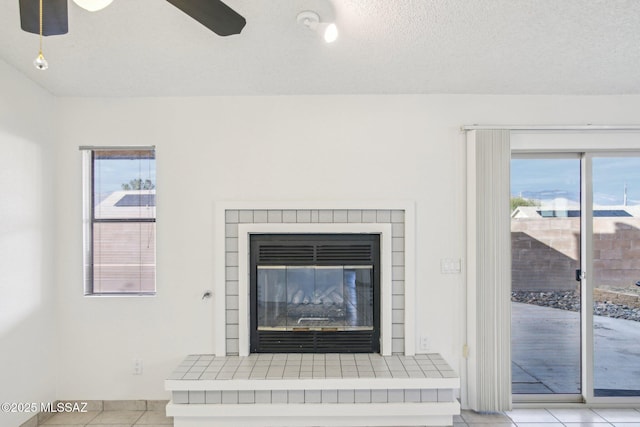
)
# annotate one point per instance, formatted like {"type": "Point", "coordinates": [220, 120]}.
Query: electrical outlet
{"type": "Point", "coordinates": [137, 367]}
{"type": "Point", "coordinates": [424, 343]}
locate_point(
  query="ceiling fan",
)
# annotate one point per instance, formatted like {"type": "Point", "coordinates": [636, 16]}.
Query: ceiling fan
{"type": "Point", "coordinates": [213, 14]}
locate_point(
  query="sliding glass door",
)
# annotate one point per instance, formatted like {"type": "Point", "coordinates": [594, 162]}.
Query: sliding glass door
{"type": "Point", "coordinates": [575, 235]}
{"type": "Point", "coordinates": [545, 247]}
{"type": "Point", "coordinates": [616, 275]}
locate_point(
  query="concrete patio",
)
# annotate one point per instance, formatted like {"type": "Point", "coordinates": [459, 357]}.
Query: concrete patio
{"type": "Point", "coordinates": [546, 352]}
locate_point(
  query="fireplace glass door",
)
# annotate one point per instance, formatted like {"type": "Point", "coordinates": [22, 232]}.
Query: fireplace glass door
{"type": "Point", "coordinates": [315, 293]}
{"type": "Point", "coordinates": [323, 298]}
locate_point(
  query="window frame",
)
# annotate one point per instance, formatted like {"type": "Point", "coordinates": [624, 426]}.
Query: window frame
{"type": "Point", "coordinates": [89, 220]}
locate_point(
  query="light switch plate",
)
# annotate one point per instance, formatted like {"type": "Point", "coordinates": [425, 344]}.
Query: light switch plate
{"type": "Point", "coordinates": [450, 266]}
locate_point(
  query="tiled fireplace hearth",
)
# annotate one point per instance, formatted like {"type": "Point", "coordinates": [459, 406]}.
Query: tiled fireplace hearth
{"type": "Point", "coordinates": [235, 387]}
{"type": "Point", "coordinates": [313, 390]}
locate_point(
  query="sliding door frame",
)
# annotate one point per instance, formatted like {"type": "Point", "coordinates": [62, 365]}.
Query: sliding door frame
{"type": "Point", "coordinates": [586, 266]}
{"type": "Point", "coordinates": [590, 398]}
{"type": "Point", "coordinates": [623, 145]}
{"type": "Point", "coordinates": [564, 397]}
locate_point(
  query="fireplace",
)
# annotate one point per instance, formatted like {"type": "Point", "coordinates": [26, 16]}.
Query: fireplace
{"type": "Point", "coordinates": [315, 293]}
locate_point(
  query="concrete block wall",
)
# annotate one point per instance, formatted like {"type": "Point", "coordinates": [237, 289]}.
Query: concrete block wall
{"type": "Point", "coordinates": [545, 253]}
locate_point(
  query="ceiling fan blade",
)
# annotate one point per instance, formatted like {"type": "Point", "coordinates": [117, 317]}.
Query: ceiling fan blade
{"type": "Point", "coordinates": [213, 14]}
{"type": "Point", "coordinates": [54, 17]}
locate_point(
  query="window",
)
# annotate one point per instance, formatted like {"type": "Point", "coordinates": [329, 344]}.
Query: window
{"type": "Point", "coordinates": [119, 220]}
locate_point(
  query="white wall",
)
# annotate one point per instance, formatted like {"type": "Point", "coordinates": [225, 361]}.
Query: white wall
{"type": "Point", "coordinates": [27, 278]}
{"type": "Point", "coordinates": [211, 149]}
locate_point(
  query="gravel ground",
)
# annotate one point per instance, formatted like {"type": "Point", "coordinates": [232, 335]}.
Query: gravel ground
{"type": "Point", "coordinates": [570, 300]}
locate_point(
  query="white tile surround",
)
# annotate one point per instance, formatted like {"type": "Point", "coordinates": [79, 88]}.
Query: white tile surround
{"type": "Point", "coordinates": [232, 216]}
{"type": "Point", "coordinates": [385, 230]}
{"type": "Point", "coordinates": [313, 389]}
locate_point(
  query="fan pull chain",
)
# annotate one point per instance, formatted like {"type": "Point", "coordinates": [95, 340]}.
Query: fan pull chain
{"type": "Point", "coordinates": [40, 27]}
{"type": "Point", "coordinates": [41, 63]}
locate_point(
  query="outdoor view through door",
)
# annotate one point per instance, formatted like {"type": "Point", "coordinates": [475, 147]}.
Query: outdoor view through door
{"type": "Point", "coordinates": [545, 242]}
{"type": "Point", "coordinates": [548, 260]}
{"type": "Point", "coordinates": [616, 276]}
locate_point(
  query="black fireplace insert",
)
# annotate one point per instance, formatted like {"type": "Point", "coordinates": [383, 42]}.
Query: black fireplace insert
{"type": "Point", "coordinates": [315, 293]}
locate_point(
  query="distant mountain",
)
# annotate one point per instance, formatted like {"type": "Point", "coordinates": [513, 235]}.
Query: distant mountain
{"type": "Point", "coordinates": [549, 195]}
{"type": "Point", "coordinates": [599, 199]}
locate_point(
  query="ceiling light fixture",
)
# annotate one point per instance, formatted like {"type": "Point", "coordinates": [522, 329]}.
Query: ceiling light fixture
{"type": "Point", "coordinates": [40, 63]}
{"type": "Point", "coordinates": [311, 20]}
{"type": "Point", "coordinates": [93, 5]}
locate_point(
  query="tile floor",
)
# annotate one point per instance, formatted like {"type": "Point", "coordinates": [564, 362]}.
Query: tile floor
{"type": "Point", "coordinates": [552, 418]}
{"type": "Point", "coordinates": [124, 418]}
{"type": "Point", "coordinates": [518, 418]}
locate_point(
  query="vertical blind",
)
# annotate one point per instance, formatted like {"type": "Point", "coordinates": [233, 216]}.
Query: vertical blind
{"type": "Point", "coordinates": [120, 216]}
{"type": "Point", "coordinates": [489, 280]}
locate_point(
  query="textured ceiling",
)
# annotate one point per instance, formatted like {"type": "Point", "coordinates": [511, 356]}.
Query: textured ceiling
{"type": "Point", "coordinates": [150, 48]}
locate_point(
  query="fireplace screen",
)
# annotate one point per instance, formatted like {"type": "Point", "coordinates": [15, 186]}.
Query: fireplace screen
{"type": "Point", "coordinates": [336, 298]}
{"type": "Point", "coordinates": [315, 293]}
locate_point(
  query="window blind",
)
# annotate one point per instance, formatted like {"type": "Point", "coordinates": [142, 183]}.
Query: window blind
{"type": "Point", "coordinates": [489, 270]}
{"type": "Point", "coordinates": [119, 220]}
